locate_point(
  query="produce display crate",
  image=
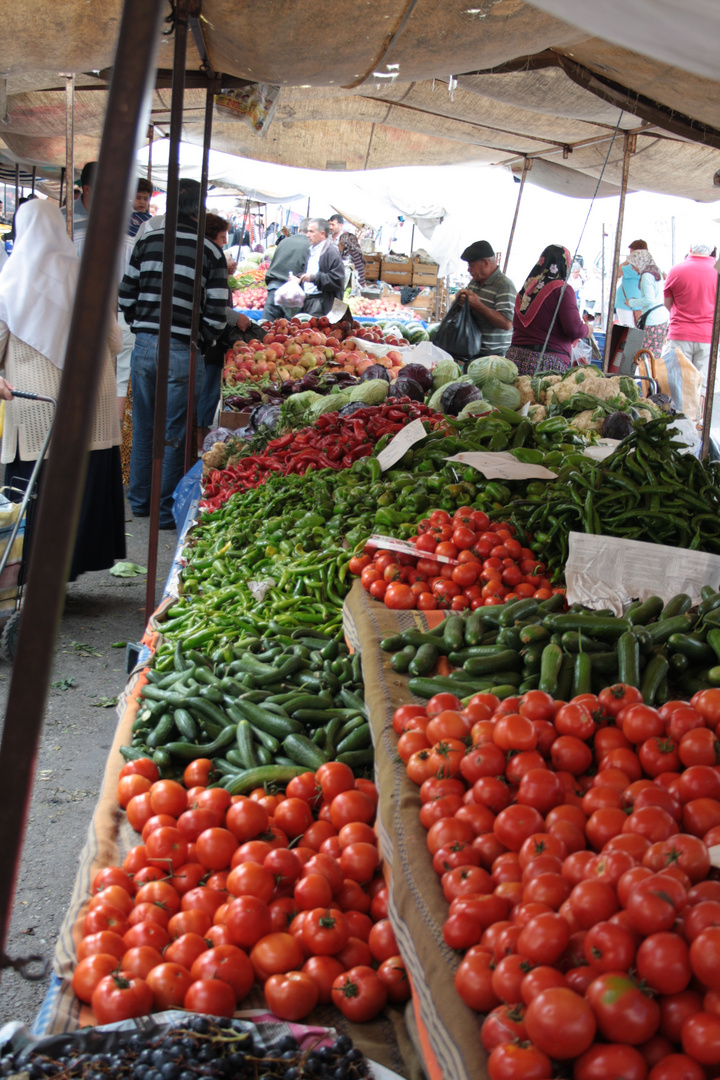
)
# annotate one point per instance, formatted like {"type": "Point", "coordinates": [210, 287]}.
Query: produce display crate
{"type": "Point", "coordinates": [372, 267]}
{"type": "Point", "coordinates": [424, 273]}
{"type": "Point", "coordinates": [233, 420]}
{"type": "Point", "coordinates": [396, 272]}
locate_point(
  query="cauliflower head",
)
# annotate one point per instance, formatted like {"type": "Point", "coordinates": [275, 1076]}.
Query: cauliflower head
{"type": "Point", "coordinates": [584, 421]}
{"type": "Point", "coordinates": [523, 384]}
{"type": "Point", "coordinates": [536, 413]}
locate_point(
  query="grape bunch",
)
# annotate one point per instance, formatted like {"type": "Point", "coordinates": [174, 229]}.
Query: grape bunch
{"type": "Point", "coordinates": [202, 1047]}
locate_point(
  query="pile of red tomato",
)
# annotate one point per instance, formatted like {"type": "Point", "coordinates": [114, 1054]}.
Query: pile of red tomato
{"type": "Point", "coordinates": [215, 899]}
{"type": "Point", "coordinates": [490, 566]}
{"type": "Point", "coordinates": [572, 841]}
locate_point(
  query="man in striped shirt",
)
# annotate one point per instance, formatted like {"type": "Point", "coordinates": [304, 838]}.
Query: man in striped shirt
{"type": "Point", "coordinates": [491, 297]}
{"type": "Point", "coordinates": [139, 300]}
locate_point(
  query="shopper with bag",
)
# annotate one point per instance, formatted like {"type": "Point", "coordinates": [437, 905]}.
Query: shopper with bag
{"type": "Point", "coordinates": [546, 321]}
{"type": "Point", "coordinates": [289, 259]}
{"type": "Point", "coordinates": [324, 277]}
{"type": "Point", "coordinates": [490, 296]}
{"type": "Point", "coordinates": [649, 309]}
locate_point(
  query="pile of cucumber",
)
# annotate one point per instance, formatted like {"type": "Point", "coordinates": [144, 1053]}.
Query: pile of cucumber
{"type": "Point", "coordinates": [279, 708]}
{"type": "Point", "coordinates": [667, 650]}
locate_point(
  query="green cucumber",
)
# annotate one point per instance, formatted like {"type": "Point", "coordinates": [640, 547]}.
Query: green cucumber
{"type": "Point", "coordinates": [360, 739]}
{"type": "Point", "coordinates": [677, 605]}
{"type": "Point", "coordinates": [647, 611]}
{"type": "Point", "coordinates": [517, 611]}
{"type": "Point", "coordinates": [304, 751]}
{"type": "Point", "coordinates": [653, 676]}
{"type": "Point", "coordinates": [484, 665]}
{"type": "Point", "coordinates": [262, 776]}
{"type": "Point", "coordinates": [246, 744]}
{"type": "Point", "coordinates": [425, 660]}
{"type": "Point", "coordinates": [357, 758]}
{"type": "Point", "coordinates": [697, 651]}
{"type": "Point", "coordinates": [550, 668]}
{"type": "Point", "coordinates": [600, 626]}
{"type": "Point", "coordinates": [189, 751]}
{"type": "Point", "coordinates": [277, 726]}
{"type": "Point", "coordinates": [628, 653]}
{"type": "Point", "coordinates": [454, 633]}
{"type": "Point", "coordinates": [185, 724]}
{"type": "Point", "coordinates": [161, 732]}
{"type": "Point", "coordinates": [400, 662]}
{"type": "Point", "coordinates": [582, 674]}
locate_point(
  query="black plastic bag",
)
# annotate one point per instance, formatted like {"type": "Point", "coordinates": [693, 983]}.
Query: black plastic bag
{"type": "Point", "coordinates": [458, 333]}
{"type": "Point", "coordinates": [215, 354]}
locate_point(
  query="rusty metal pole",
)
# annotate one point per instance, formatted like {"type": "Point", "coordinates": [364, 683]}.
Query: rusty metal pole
{"type": "Point", "coordinates": [190, 448]}
{"type": "Point", "coordinates": [62, 183]}
{"type": "Point", "coordinates": [629, 143]}
{"type": "Point", "coordinates": [712, 371]}
{"type": "Point", "coordinates": [34, 173]}
{"type": "Point", "coordinates": [166, 297]}
{"type": "Point", "coordinates": [151, 136]}
{"type": "Point", "coordinates": [69, 151]}
{"type": "Point", "coordinates": [61, 496]}
{"type": "Point", "coordinates": [527, 166]}
{"type": "Point", "coordinates": [17, 185]}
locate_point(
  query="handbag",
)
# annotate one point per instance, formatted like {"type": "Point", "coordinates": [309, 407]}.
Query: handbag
{"type": "Point", "coordinates": [215, 353]}
{"type": "Point", "coordinates": [459, 334]}
{"type": "Point", "coordinates": [640, 321]}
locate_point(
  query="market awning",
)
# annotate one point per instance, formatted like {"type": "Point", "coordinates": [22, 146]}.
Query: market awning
{"type": "Point", "coordinates": [370, 85]}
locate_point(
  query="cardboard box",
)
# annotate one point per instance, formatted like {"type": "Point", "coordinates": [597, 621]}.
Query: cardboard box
{"type": "Point", "coordinates": [233, 420]}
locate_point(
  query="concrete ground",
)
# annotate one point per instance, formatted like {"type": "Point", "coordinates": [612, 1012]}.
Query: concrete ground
{"type": "Point", "coordinates": [80, 721]}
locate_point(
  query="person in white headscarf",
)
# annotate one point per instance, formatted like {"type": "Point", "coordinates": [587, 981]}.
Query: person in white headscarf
{"type": "Point", "coordinates": [650, 311]}
{"type": "Point", "coordinates": [37, 293]}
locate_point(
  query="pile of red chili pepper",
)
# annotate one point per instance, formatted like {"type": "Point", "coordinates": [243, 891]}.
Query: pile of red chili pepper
{"type": "Point", "coordinates": [333, 442]}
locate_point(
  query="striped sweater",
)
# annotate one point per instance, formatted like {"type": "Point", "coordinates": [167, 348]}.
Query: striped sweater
{"type": "Point", "coordinates": [139, 295]}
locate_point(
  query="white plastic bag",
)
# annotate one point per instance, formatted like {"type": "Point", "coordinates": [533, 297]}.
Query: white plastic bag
{"type": "Point", "coordinates": [290, 296]}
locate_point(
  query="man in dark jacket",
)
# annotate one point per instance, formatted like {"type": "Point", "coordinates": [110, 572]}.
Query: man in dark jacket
{"type": "Point", "coordinates": [290, 258]}
{"type": "Point", "coordinates": [324, 277]}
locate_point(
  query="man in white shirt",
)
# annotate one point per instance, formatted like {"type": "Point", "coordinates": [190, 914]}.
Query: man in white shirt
{"type": "Point", "coordinates": [324, 277]}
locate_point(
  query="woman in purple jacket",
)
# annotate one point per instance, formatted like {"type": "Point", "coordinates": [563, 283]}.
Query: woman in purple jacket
{"type": "Point", "coordinates": [546, 317]}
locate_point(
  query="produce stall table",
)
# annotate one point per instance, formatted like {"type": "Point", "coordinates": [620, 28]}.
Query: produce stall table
{"type": "Point", "coordinates": [448, 1031]}
{"type": "Point", "coordinates": [385, 1040]}
{"type": "Point", "coordinates": [364, 320]}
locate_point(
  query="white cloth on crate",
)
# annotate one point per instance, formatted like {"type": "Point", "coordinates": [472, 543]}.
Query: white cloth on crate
{"type": "Point", "coordinates": [39, 282]}
{"type": "Point", "coordinates": [26, 422]}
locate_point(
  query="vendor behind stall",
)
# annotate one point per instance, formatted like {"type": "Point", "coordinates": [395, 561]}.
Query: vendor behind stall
{"type": "Point", "coordinates": [546, 321]}
{"type": "Point", "coordinates": [491, 296]}
{"type": "Point", "coordinates": [290, 258]}
{"type": "Point", "coordinates": [324, 277]}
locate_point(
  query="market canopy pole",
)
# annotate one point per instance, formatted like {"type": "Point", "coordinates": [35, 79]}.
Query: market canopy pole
{"type": "Point", "coordinates": [166, 297]}
{"type": "Point", "coordinates": [527, 166]}
{"type": "Point", "coordinates": [151, 136]}
{"type": "Point", "coordinates": [629, 144]}
{"type": "Point", "coordinates": [712, 370]}
{"type": "Point", "coordinates": [59, 505]}
{"type": "Point", "coordinates": [69, 151]}
{"type": "Point", "coordinates": [213, 88]}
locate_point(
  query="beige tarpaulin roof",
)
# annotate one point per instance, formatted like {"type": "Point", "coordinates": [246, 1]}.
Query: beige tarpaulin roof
{"type": "Point", "coordinates": [375, 83]}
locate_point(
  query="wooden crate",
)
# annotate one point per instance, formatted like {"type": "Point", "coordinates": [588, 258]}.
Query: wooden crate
{"type": "Point", "coordinates": [424, 273]}
{"type": "Point", "coordinates": [397, 273]}
{"type": "Point", "coordinates": [234, 420]}
{"type": "Point", "coordinates": [372, 267]}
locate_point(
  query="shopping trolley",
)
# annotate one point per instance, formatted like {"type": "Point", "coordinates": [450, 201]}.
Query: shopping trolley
{"type": "Point", "coordinates": [8, 639]}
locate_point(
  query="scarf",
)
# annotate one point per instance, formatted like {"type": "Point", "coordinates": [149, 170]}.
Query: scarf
{"type": "Point", "coordinates": [548, 274]}
{"type": "Point", "coordinates": [39, 281]}
{"type": "Point", "coordinates": [643, 262]}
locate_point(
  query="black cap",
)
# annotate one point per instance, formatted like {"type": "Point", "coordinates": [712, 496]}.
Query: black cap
{"type": "Point", "coordinates": [480, 249]}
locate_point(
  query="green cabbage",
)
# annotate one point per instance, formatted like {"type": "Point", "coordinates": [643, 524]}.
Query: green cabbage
{"type": "Point", "coordinates": [502, 394]}
{"type": "Point", "coordinates": [371, 392]}
{"type": "Point", "coordinates": [298, 404]}
{"type": "Point", "coordinates": [492, 367]}
{"type": "Point", "coordinates": [331, 403]}
{"type": "Point", "coordinates": [444, 372]}
{"type": "Point", "coordinates": [475, 408]}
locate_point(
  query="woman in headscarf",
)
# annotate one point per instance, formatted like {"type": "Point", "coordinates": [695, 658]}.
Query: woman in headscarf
{"type": "Point", "coordinates": [546, 316]}
{"type": "Point", "coordinates": [37, 293]}
{"type": "Point", "coordinates": [651, 315]}
{"type": "Point", "coordinates": [349, 249]}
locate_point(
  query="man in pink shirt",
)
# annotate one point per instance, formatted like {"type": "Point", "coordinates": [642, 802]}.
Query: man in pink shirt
{"type": "Point", "coordinates": [690, 290]}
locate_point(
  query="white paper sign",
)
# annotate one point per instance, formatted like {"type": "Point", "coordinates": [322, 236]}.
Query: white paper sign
{"type": "Point", "coordinates": [602, 449]}
{"type": "Point", "coordinates": [502, 465]}
{"type": "Point", "coordinates": [402, 442]}
{"type": "Point", "coordinates": [605, 571]}
{"type": "Point", "coordinates": [404, 546]}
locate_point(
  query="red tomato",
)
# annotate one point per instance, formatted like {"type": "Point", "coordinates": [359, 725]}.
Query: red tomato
{"type": "Point", "coordinates": [623, 1011]}
{"type": "Point", "coordinates": [601, 1062]}
{"type": "Point", "coordinates": [211, 996]}
{"type": "Point", "coordinates": [560, 1023]}
{"type": "Point", "coordinates": [360, 994]}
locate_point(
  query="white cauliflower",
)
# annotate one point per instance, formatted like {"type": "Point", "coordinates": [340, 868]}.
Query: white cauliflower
{"type": "Point", "coordinates": [577, 380]}
{"type": "Point", "coordinates": [536, 413]}
{"type": "Point", "coordinates": [523, 384]}
{"type": "Point", "coordinates": [584, 421]}
{"type": "Point", "coordinates": [548, 386]}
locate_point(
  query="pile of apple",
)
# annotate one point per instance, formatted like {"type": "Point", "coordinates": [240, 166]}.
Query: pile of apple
{"type": "Point", "coordinates": [372, 308]}
{"type": "Point", "coordinates": [291, 348]}
{"type": "Point", "coordinates": [250, 299]}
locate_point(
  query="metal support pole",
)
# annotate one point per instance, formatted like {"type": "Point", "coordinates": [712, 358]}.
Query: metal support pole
{"type": "Point", "coordinates": [527, 166]}
{"type": "Point", "coordinates": [17, 185]}
{"type": "Point", "coordinates": [151, 136]}
{"type": "Point", "coordinates": [602, 272]}
{"type": "Point", "coordinates": [190, 449]}
{"type": "Point", "coordinates": [34, 173]}
{"type": "Point", "coordinates": [62, 184]}
{"type": "Point", "coordinates": [166, 297]}
{"type": "Point", "coordinates": [69, 151]}
{"type": "Point", "coordinates": [64, 470]}
{"type": "Point", "coordinates": [629, 142]}
{"type": "Point", "coordinates": [712, 370]}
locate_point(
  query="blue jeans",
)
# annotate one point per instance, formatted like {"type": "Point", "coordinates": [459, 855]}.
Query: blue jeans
{"type": "Point", "coordinates": [207, 403]}
{"type": "Point", "coordinates": [143, 371]}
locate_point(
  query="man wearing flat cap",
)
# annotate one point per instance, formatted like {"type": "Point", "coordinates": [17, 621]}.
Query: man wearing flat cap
{"type": "Point", "coordinates": [491, 296]}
